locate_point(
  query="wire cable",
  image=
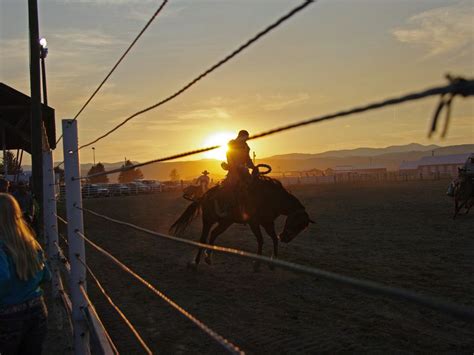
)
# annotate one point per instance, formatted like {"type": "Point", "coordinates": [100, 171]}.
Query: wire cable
{"type": "Point", "coordinates": [461, 312]}
{"type": "Point", "coordinates": [117, 309]}
{"type": "Point", "coordinates": [214, 335]}
{"type": "Point", "coordinates": [118, 62]}
{"type": "Point", "coordinates": [462, 87]}
{"type": "Point", "coordinates": [61, 219]}
{"type": "Point", "coordinates": [205, 73]}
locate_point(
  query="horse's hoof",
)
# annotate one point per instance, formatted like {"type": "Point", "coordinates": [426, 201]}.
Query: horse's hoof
{"type": "Point", "coordinates": [191, 266]}
{"type": "Point", "coordinates": [208, 260]}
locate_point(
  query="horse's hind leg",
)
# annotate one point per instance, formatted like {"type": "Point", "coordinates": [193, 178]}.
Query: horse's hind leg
{"type": "Point", "coordinates": [270, 229]}
{"type": "Point", "coordinates": [206, 227]}
{"type": "Point", "coordinates": [255, 227]}
{"type": "Point", "coordinates": [221, 228]}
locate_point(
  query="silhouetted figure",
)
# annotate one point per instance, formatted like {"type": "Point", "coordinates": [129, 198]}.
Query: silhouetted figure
{"type": "Point", "coordinates": [238, 159]}
{"type": "Point", "coordinates": [4, 185]}
{"type": "Point", "coordinates": [238, 176]}
{"type": "Point", "coordinates": [195, 192]}
{"type": "Point", "coordinates": [203, 182]}
{"type": "Point", "coordinates": [25, 200]}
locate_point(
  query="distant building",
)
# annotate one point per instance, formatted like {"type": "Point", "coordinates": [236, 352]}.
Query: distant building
{"type": "Point", "coordinates": [436, 165]}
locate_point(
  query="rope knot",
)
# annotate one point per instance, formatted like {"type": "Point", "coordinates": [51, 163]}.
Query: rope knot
{"type": "Point", "coordinates": [458, 86]}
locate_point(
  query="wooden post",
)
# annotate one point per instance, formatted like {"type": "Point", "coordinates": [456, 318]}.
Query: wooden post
{"type": "Point", "coordinates": [36, 114]}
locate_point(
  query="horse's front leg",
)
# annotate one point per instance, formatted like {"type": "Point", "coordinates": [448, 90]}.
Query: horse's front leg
{"type": "Point", "coordinates": [458, 208]}
{"type": "Point", "coordinates": [270, 229]}
{"type": "Point", "coordinates": [221, 228]}
{"type": "Point", "coordinates": [255, 227]}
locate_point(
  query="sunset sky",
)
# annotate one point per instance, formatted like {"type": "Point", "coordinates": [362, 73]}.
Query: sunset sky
{"type": "Point", "coordinates": [333, 55]}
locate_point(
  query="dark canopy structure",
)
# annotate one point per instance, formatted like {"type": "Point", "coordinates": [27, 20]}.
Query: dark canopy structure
{"type": "Point", "coordinates": [15, 120]}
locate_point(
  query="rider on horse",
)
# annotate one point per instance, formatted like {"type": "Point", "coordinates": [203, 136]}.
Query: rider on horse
{"type": "Point", "coordinates": [238, 165]}
{"type": "Point", "coordinates": [238, 159]}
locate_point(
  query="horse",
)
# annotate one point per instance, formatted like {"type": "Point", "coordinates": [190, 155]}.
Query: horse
{"type": "Point", "coordinates": [463, 193]}
{"type": "Point", "coordinates": [266, 199]}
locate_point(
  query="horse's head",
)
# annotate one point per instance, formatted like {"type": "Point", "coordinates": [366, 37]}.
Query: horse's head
{"type": "Point", "coordinates": [295, 223]}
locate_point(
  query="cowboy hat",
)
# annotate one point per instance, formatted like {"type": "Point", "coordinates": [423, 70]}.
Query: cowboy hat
{"type": "Point", "coordinates": [205, 172]}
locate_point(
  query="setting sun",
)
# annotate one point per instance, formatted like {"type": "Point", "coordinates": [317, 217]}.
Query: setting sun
{"type": "Point", "coordinates": [221, 138]}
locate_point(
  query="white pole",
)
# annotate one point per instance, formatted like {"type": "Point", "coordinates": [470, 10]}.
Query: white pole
{"type": "Point", "coordinates": [76, 244]}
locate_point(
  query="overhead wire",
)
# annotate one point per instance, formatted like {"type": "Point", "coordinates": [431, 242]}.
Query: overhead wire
{"type": "Point", "coordinates": [462, 87]}
{"type": "Point", "coordinates": [155, 14]}
{"type": "Point", "coordinates": [206, 72]}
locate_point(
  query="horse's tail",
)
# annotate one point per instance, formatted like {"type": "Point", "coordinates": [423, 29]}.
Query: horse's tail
{"type": "Point", "coordinates": [186, 218]}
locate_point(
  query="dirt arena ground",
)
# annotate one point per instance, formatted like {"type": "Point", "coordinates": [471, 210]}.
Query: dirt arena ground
{"type": "Point", "coordinates": [398, 234]}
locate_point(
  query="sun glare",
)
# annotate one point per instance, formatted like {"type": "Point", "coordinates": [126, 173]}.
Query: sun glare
{"type": "Point", "coordinates": [221, 138]}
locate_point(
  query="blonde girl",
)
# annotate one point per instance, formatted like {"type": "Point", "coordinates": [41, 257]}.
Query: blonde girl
{"type": "Point", "coordinates": [23, 313]}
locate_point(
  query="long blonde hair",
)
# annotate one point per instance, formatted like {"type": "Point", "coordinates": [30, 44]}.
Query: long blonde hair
{"type": "Point", "coordinates": [19, 238]}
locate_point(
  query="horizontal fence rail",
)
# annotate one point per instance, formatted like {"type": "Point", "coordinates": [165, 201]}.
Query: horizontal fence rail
{"type": "Point", "coordinates": [96, 327]}
{"type": "Point", "coordinates": [129, 324]}
{"type": "Point", "coordinates": [226, 344]}
{"type": "Point", "coordinates": [455, 310]}
{"type": "Point", "coordinates": [457, 87]}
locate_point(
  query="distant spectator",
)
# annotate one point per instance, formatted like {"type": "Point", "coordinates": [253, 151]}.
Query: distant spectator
{"type": "Point", "coordinates": [4, 185]}
{"type": "Point", "coordinates": [23, 314]}
{"type": "Point", "coordinates": [25, 200]}
{"type": "Point", "coordinates": [203, 182]}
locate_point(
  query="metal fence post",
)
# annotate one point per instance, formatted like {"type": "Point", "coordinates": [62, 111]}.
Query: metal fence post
{"type": "Point", "coordinates": [76, 244]}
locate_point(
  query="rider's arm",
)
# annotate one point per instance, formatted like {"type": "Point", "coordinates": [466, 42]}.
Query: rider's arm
{"type": "Point", "coordinates": [249, 161]}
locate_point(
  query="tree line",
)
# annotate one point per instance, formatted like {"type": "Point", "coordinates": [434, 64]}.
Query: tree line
{"type": "Point", "coordinates": [125, 176]}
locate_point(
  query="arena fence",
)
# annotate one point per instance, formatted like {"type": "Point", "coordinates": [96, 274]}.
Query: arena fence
{"type": "Point", "coordinates": [87, 328]}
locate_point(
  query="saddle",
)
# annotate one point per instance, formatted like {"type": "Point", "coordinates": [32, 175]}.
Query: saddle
{"type": "Point", "coordinates": [234, 196]}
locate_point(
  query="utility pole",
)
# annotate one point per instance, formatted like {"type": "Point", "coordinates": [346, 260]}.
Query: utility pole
{"type": "Point", "coordinates": [36, 109]}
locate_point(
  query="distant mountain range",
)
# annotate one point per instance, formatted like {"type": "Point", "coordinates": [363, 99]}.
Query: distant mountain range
{"type": "Point", "coordinates": [361, 152]}
{"type": "Point", "coordinates": [389, 157]}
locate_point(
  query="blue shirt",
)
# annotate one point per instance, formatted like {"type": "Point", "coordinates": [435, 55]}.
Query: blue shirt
{"type": "Point", "coordinates": [12, 289]}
